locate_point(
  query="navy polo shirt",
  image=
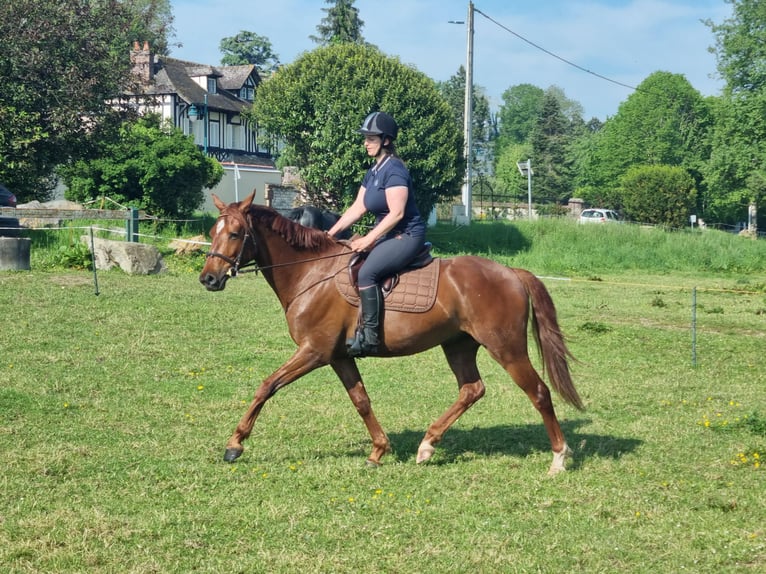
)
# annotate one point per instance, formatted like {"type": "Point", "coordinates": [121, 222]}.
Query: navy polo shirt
{"type": "Point", "coordinates": [392, 173]}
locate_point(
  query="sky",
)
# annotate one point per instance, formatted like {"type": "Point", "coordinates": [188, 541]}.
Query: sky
{"type": "Point", "coordinates": [624, 41]}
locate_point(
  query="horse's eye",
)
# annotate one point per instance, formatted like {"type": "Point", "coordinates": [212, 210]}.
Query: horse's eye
{"type": "Point", "coordinates": [233, 235]}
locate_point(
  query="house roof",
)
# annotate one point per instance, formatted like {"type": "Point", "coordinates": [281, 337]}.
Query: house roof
{"type": "Point", "coordinates": [177, 76]}
{"type": "Point", "coordinates": [234, 77]}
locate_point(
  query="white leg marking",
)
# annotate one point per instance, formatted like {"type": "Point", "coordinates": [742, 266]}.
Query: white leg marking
{"type": "Point", "coordinates": [425, 451]}
{"type": "Point", "coordinates": [559, 460]}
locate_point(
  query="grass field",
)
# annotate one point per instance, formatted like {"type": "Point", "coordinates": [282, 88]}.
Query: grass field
{"type": "Point", "coordinates": [115, 410]}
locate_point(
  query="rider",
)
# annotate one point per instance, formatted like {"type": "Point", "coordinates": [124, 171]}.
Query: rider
{"type": "Point", "coordinates": [399, 231]}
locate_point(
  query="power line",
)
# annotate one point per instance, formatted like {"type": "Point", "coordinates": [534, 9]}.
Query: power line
{"type": "Point", "coordinates": [587, 71]}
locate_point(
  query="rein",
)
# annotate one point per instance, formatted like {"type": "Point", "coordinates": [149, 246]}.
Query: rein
{"type": "Point", "coordinates": [236, 264]}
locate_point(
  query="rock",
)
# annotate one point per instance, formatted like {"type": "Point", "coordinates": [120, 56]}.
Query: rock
{"type": "Point", "coordinates": [55, 205]}
{"type": "Point", "coordinates": [133, 258]}
{"type": "Point", "coordinates": [187, 246]}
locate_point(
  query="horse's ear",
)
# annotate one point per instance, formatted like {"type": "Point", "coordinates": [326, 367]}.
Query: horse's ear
{"type": "Point", "coordinates": [244, 205]}
{"type": "Point", "coordinates": [218, 203]}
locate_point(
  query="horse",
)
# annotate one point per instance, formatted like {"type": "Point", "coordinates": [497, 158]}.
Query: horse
{"type": "Point", "coordinates": [479, 303]}
{"type": "Point", "coordinates": [310, 216]}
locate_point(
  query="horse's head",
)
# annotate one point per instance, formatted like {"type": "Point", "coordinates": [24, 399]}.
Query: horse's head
{"type": "Point", "coordinates": [232, 244]}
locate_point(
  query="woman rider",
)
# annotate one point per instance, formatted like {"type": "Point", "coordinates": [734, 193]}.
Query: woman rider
{"type": "Point", "coordinates": [399, 231]}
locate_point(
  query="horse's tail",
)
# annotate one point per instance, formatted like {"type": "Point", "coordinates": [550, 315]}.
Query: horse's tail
{"type": "Point", "coordinates": [550, 340]}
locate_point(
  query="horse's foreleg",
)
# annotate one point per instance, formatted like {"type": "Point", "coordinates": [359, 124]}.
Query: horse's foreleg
{"type": "Point", "coordinates": [348, 372]}
{"type": "Point", "coordinates": [461, 356]}
{"type": "Point", "coordinates": [303, 361]}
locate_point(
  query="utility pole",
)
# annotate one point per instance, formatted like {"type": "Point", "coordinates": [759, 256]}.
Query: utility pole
{"type": "Point", "coordinates": [468, 113]}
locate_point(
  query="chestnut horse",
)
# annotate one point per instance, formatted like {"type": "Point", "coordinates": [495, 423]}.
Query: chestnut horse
{"type": "Point", "coordinates": [479, 303]}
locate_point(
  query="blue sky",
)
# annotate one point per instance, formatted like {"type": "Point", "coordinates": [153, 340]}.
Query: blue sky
{"type": "Point", "coordinates": [623, 40]}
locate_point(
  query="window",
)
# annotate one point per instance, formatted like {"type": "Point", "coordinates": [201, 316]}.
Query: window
{"type": "Point", "coordinates": [214, 134]}
{"type": "Point", "coordinates": [212, 86]}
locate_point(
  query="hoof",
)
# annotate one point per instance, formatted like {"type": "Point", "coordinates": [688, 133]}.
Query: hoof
{"type": "Point", "coordinates": [232, 454]}
{"type": "Point", "coordinates": [425, 452]}
{"type": "Point", "coordinates": [559, 461]}
{"type": "Point", "coordinates": [369, 463]}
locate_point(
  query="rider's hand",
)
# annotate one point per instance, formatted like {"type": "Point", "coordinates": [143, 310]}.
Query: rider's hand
{"type": "Point", "coordinates": [360, 244]}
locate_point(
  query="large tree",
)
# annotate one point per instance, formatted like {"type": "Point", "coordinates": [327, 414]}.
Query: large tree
{"type": "Point", "coordinates": [249, 48]}
{"type": "Point", "coordinates": [738, 164]}
{"type": "Point", "coordinates": [521, 107]}
{"type": "Point", "coordinates": [550, 140]}
{"type": "Point", "coordinates": [740, 47]}
{"type": "Point", "coordinates": [341, 25]}
{"type": "Point", "coordinates": [150, 166]}
{"type": "Point", "coordinates": [317, 103]}
{"type": "Point", "coordinates": [62, 62]}
{"type": "Point", "coordinates": [664, 122]}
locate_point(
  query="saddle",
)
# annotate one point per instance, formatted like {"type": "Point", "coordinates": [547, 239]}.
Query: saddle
{"type": "Point", "coordinates": [412, 289]}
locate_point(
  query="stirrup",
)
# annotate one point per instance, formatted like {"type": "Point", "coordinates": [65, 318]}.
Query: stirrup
{"type": "Point", "coordinates": [358, 346]}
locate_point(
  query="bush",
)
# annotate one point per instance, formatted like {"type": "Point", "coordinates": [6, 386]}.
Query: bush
{"type": "Point", "coordinates": [658, 194]}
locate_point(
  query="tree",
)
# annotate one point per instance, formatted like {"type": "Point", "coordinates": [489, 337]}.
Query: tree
{"type": "Point", "coordinates": [739, 148]}
{"type": "Point", "coordinates": [550, 138]}
{"type": "Point", "coordinates": [510, 185]}
{"type": "Point", "coordinates": [453, 90]}
{"type": "Point", "coordinates": [152, 21]}
{"type": "Point", "coordinates": [664, 122]}
{"type": "Point", "coordinates": [740, 47]}
{"type": "Point", "coordinates": [341, 25]}
{"type": "Point", "coordinates": [317, 103]}
{"type": "Point", "coordinates": [581, 153]}
{"type": "Point", "coordinates": [150, 166]}
{"type": "Point", "coordinates": [61, 63]}
{"type": "Point", "coordinates": [737, 159]}
{"type": "Point", "coordinates": [659, 194]}
{"type": "Point", "coordinates": [518, 114]}
{"type": "Point", "coordinates": [249, 48]}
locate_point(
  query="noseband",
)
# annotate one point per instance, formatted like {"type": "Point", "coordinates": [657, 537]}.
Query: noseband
{"type": "Point", "coordinates": [236, 264]}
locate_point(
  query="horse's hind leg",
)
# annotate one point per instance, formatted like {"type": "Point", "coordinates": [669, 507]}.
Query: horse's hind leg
{"type": "Point", "coordinates": [348, 372]}
{"type": "Point", "coordinates": [461, 356]}
{"type": "Point", "coordinates": [526, 377]}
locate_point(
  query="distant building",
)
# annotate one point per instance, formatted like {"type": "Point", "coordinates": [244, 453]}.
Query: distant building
{"type": "Point", "coordinates": [207, 103]}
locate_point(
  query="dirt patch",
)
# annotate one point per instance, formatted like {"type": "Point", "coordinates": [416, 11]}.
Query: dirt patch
{"type": "Point", "coordinates": [71, 280]}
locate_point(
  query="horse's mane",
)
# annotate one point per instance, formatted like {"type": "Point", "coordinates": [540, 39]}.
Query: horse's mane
{"type": "Point", "coordinates": [294, 233]}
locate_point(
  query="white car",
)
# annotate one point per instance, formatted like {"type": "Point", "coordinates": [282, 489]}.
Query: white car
{"type": "Point", "coordinates": [599, 216]}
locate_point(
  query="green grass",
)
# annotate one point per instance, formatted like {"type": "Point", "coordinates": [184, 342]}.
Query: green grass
{"type": "Point", "coordinates": [115, 409]}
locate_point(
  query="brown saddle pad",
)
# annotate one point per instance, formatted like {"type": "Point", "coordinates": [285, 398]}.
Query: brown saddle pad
{"type": "Point", "coordinates": [415, 292]}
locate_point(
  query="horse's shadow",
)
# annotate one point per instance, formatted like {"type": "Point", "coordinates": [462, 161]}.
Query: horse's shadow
{"type": "Point", "coordinates": [512, 440]}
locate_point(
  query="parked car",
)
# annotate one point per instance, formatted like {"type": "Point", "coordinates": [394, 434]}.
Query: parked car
{"type": "Point", "coordinates": [597, 215]}
{"type": "Point", "coordinates": [9, 226]}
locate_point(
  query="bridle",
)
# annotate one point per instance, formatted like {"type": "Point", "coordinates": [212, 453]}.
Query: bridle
{"type": "Point", "coordinates": [236, 263]}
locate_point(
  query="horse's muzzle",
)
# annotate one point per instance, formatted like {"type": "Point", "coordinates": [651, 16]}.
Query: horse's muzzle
{"type": "Point", "coordinates": [212, 282]}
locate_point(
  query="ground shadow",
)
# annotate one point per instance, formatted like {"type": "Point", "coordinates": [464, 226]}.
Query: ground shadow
{"type": "Point", "coordinates": [512, 440]}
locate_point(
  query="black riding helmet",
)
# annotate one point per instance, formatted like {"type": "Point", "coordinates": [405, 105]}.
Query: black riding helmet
{"type": "Point", "coordinates": [379, 124]}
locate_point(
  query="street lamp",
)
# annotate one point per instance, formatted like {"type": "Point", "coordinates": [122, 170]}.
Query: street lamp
{"type": "Point", "coordinates": [195, 114]}
{"type": "Point", "coordinates": [525, 168]}
{"type": "Point", "coordinates": [468, 113]}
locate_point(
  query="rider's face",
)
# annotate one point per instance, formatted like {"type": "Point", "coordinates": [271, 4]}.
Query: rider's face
{"type": "Point", "coordinates": [373, 145]}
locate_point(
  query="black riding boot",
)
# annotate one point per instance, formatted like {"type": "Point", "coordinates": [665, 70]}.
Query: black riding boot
{"type": "Point", "coordinates": [367, 336]}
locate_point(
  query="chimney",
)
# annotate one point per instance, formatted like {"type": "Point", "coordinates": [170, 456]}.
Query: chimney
{"type": "Point", "coordinates": [142, 62]}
